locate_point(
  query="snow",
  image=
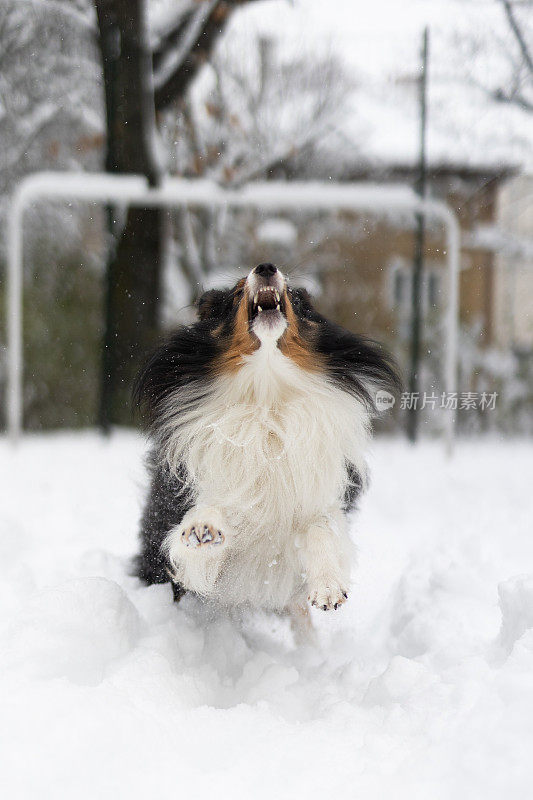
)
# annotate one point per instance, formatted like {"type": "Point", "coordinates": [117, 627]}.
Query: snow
{"type": "Point", "coordinates": [420, 687]}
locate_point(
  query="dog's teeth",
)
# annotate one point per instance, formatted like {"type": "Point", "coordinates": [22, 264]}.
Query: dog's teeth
{"type": "Point", "coordinates": [277, 307]}
{"type": "Point", "coordinates": [256, 295]}
{"type": "Point", "coordinates": [259, 308]}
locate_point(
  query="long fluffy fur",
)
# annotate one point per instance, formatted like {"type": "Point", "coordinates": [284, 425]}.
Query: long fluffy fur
{"type": "Point", "coordinates": [273, 451]}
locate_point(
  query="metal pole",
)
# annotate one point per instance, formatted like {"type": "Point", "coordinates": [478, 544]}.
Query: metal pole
{"type": "Point", "coordinates": [453, 238]}
{"type": "Point", "coordinates": [418, 262]}
{"type": "Point", "coordinates": [14, 319]}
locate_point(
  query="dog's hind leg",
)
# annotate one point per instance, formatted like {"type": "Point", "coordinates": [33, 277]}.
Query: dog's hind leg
{"type": "Point", "coordinates": [177, 591]}
{"type": "Point", "coordinates": [302, 624]}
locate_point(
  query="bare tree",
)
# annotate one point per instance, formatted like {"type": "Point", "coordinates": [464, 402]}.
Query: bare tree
{"type": "Point", "coordinates": [259, 113]}
{"type": "Point", "coordinates": [519, 90]}
{"type": "Point", "coordinates": [510, 42]}
{"type": "Point", "coordinates": [518, 33]}
{"type": "Point", "coordinates": [50, 111]}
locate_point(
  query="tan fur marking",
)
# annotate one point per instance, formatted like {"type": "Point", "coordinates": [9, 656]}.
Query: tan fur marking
{"type": "Point", "coordinates": [243, 343]}
{"type": "Point", "coordinates": [294, 347]}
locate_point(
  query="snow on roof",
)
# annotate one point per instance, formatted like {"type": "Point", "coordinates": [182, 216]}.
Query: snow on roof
{"type": "Point", "coordinates": [380, 44]}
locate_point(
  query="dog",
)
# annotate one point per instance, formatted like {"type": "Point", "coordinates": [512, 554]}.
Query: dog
{"type": "Point", "coordinates": [260, 416]}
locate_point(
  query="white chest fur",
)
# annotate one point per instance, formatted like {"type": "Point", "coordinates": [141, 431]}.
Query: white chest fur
{"type": "Point", "coordinates": [269, 448]}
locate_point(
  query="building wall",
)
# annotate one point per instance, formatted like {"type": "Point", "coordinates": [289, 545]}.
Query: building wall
{"type": "Point", "coordinates": [359, 285]}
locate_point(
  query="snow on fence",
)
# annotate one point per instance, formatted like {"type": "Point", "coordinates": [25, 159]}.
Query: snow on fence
{"type": "Point", "coordinates": [175, 192]}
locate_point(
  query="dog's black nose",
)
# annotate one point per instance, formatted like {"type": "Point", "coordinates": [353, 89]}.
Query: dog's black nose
{"type": "Point", "coordinates": [265, 270]}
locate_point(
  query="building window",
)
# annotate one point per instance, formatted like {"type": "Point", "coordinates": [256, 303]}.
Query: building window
{"type": "Point", "coordinates": [433, 290]}
{"type": "Point", "coordinates": [401, 286]}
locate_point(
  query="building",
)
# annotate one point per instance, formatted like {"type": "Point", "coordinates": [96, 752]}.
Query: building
{"type": "Point", "coordinates": [367, 286]}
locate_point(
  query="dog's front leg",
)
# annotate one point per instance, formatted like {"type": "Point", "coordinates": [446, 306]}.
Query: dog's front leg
{"type": "Point", "coordinates": [196, 546]}
{"type": "Point", "coordinates": [325, 557]}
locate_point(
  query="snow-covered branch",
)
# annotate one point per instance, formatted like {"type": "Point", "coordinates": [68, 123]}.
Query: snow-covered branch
{"type": "Point", "coordinates": [508, 37]}
{"type": "Point", "coordinates": [189, 34]}
{"type": "Point", "coordinates": [177, 62]}
{"type": "Point", "coordinates": [518, 34]}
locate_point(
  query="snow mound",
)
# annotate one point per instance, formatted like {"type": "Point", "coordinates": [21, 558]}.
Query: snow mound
{"type": "Point", "coordinates": [397, 684]}
{"type": "Point", "coordinates": [74, 630]}
{"type": "Point", "coordinates": [516, 603]}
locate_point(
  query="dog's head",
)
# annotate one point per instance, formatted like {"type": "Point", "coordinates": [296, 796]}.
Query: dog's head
{"type": "Point", "coordinates": [262, 310]}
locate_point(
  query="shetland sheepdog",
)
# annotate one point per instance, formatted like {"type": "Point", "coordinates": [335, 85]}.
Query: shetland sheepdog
{"type": "Point", "coordinates": [260, 416]}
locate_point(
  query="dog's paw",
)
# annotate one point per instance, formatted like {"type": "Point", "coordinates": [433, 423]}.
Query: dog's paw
{"type": "Point", "coordinates": [202, 529]}
{"type": "Point", "coordinates": [202, 534]}
{"type": "Point", "coordinates": [329, 595]}
{"type": "Point", "coordinates": [198, 543]}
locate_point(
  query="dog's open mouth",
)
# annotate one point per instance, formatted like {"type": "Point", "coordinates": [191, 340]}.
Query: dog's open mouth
{"type": "Point", "coordinates": [267, 299]}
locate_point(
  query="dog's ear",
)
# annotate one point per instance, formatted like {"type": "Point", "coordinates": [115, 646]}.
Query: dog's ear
{"type": "Point", "coordinates": [301, 301]}
{"type": "Point", "coordinates": [210, 303]}
{"type": "Point", "coordinates": [304, 296]}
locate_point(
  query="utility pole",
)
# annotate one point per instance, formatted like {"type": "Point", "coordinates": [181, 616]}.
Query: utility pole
{"type": "Point", "coordinates": [418, 260]}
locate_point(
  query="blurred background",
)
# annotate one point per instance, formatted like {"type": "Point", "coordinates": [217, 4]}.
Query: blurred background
{"type": "Point", "coordinates": [241, 90]}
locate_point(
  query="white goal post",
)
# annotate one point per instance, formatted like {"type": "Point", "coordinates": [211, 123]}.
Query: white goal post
{"type": "Point", "coordinates": [175, 192]}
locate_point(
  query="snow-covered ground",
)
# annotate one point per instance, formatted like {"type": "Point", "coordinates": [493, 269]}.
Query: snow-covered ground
{"type": "Point", "coordinates": [421, 687]}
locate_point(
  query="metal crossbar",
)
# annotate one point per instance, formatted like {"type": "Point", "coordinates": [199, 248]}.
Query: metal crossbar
{"type": "Point", "coordinates": [175, 192]}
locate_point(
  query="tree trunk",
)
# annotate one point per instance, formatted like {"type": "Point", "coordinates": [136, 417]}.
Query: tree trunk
{"type": "Point", "coordinates": [133, 272]}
